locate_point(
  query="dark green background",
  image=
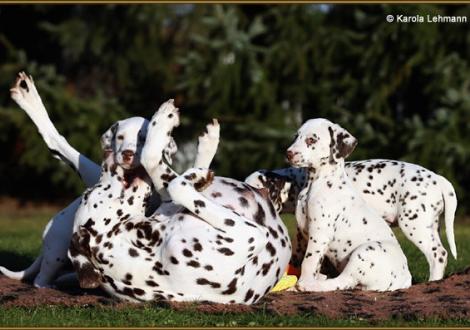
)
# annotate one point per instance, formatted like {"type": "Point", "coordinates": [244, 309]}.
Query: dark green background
{"type": "Point", "coordinates": [402, 89]}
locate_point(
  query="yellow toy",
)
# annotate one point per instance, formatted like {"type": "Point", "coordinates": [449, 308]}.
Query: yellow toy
{"type": "Point", "coordinates": [287, 280]}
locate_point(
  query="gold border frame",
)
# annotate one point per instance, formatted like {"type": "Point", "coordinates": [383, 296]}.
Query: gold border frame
{"type": "Point", "coordinates": [253, 2]}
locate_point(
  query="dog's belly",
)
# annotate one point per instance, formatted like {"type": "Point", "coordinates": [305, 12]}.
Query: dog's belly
{"type": "Point", "coordinates": [197, 262]}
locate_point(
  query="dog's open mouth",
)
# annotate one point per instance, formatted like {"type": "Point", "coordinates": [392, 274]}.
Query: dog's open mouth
{"type": "Point", "coordinates": [131, 175]}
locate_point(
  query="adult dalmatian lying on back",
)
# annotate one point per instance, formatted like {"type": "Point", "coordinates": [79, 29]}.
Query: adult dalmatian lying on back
{"type": "Point", "coordinates": [58, 232]}
{"type": "Point", "coordinates": [402, 193]}
{"type": "Point", "coordinates": [222, 245]}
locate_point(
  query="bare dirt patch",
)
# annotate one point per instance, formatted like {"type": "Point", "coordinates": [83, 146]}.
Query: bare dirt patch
{"type": "Point", "coordinates": [16, 208]}
{"type": "Point", "coordinates": [445, 299]}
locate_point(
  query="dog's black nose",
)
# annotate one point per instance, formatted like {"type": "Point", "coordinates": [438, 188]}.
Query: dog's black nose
{"type": "Point", "coordinates": [128, 154]}
{"type": "Point", "coordinates": [290, 155]}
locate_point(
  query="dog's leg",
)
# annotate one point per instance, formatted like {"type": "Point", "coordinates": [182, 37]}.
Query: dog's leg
{"type": "Point", "coordinates": [79, 254]}
{"type": "Point", "coordinates": [378, 266]}
{"type": "Point", "coordinates": [24, 93]}
{"type": "Point", "coordinates": [184, 190]}
{"type": "Point", "coordinates": [319, 236]}
{"type": "Point", "coordinates": [299, 246]}
{"type": "Point", "coordinates": [158, 138]}
{"type": "Point", "coordinates": [55, 243]}
{"type": "Point", "coordinates": [67, 279]}
{"type": "Point", "coordinates": [427, 239]}
{"type": "Point", "coordinates": [207, 146]}
{"type": "Point", "coordinates": [343, 282]}
{"type": "Point", "coordinates": [311, 265]}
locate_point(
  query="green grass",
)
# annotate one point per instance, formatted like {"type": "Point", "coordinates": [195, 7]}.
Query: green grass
{"type": "Point", "coordinates": [416, 261]}
{"type": "Point", "coordinates": [20, 241]}
{"type": "Point", "coordinates": [150, 316]}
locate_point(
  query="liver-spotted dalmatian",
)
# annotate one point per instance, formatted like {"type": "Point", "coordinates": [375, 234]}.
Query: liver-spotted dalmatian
{"type": "Point", "coordinates": [49, 265]}
{"type": "Point", "coordinates": [402, 193]}
{"type": "Point", "coordinates": [336, 222]}
{"type": "Point", "coordinates": [218, 240]}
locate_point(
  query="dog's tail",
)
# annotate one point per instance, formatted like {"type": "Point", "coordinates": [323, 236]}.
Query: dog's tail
{"type": "Point", "coordinates": [26, 274]}
{"type": "Point", "coordinates": [450, 204]}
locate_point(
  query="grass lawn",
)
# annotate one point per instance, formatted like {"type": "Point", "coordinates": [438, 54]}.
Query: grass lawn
{"type": "Point", "coordinates": [20, 241]}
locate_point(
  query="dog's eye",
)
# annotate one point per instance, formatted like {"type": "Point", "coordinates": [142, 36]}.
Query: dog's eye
{"type": "Point", "coordinates": [120, 137]}
{"type": "Point", "coordinates": [309, 141]}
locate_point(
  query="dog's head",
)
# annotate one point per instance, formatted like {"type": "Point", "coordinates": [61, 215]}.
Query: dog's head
{"type": "Point", "coordinates": [278, 186]}
{"type": "Point", "coordinates": [319, 142]}
{"type": "Point", "coordinates": [124, 141]}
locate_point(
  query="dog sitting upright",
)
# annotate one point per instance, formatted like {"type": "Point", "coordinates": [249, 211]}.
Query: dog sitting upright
{"type": "Point", "coordinates": [336, 221]}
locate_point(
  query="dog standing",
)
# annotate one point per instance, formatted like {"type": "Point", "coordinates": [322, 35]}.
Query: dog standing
{"type": "Point", "coordinates": [335, 220]}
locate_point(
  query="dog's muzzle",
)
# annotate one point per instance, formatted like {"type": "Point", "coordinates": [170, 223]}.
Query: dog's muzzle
{"type": "Point", "coordinates": [128, 156]}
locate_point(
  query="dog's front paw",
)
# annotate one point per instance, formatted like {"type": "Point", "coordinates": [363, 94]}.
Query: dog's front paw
{"type": "Point", "coordinates": [305, 284]}
{"type": "Point", "coordinates": [212, 132]}
{"type": "Point", "coordinates": [195, 178]}
{"type": "Point", "coordinates": [167, 117]}
{"type": "Point", "coordinates": [201, 178]}
{"type": "Point", "coordinates": [207, 146]}
{"type": "Point", "coordinates": [21, 90]}
{"type": "Point", "coordinates": [321, 277]}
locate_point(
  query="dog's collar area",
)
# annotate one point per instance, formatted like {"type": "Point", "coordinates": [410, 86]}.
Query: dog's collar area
{"type": "Point", "coordinates": [132, 174]}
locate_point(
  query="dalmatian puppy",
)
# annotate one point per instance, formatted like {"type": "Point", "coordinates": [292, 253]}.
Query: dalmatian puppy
{"type": "Point", "coordinates": [221, 240]}
{"type": "Point", "coordinates": [404, 194]}
{"type": "Point", "coordinates": [49, 265]}
{"type": "Point", "coordinates": [336, 221]}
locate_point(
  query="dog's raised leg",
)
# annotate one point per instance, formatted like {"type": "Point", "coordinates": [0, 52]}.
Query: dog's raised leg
{"type": "Point", "coordinates": [56, 239]}
{"type": "Point", "coordinates": [158, 138]}
{"type": "Point", "coordinates": [24, 93]}
{"type": "Point", "coordinates": [185, 190]}
{"type": "Point", "coordinates": [207, 147]}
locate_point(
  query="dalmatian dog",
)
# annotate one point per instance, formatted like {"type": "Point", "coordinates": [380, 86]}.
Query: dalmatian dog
{"type": "Point", "coordinates": [49, 265]}
{"type": "Point", "coordinates": [336, 221]}
{"type": "Point", "coordinates": [219, 240]}
{"type": "Point", "coordinates": [404, 194]}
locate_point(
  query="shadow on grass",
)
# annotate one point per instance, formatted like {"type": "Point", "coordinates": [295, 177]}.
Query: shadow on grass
{"type": "Point", "coordinates": [14, 261]}
{"type": "Point", "coordinates": [17, 262]}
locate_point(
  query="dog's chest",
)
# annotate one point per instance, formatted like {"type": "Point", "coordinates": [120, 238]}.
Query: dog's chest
{"type": "Point", "coordinates": [107, 204]}
{"type": "Point", "coordinates": [301, 211]}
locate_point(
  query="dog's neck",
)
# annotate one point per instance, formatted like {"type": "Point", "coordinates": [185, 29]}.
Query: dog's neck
{"type": "Point", "coordinates": [132, 187]}
{"type": "Point", "coordinates": [327, 171]}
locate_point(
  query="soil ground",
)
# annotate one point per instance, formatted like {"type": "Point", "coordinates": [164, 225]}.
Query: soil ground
{"type": "Point", "coordinates": [445, 299]}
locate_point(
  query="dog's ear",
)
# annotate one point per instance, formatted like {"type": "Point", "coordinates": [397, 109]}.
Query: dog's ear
{"type": "Point", "coordinates": [170, 150]}
{"type": "Point", "coordinates": [284, 194]}
{"type": "Point", "coordinates": [257, 179]}
{"type": "Point", "coordinates": [108, 137]}
{"type": "Point", "coordinates": [342, 142]}
{"type": "Point", "coordinates": [279, 187]}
